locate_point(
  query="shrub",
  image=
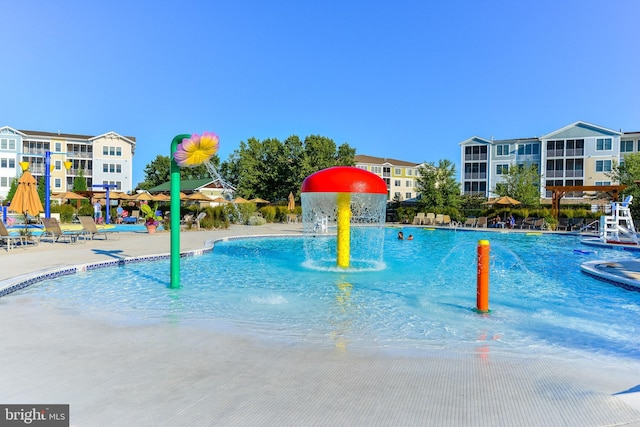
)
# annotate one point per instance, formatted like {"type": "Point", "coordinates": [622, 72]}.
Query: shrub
{"type": "Point", "coordinates": [216, 218]}
{"type": "Point", "coordinates": [268, 213]}
{"type": "Point", "coordinates": [256, 220]}
{"type": "Point", "coordinates": [66, 212]}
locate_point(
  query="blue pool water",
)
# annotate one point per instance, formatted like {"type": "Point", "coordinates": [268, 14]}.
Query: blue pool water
{"type": "Point", "coordinates": [421, 298]}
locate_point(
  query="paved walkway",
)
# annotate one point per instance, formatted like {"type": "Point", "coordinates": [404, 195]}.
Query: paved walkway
{"type": "Point", "coordinates": [177, 374]}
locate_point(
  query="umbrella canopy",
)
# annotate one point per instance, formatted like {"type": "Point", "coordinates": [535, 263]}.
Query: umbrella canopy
{"type": "Point", "coordinates": [69, 195]}
{"type": "Point", "coordinates": [259, 200]}
{"type": "Point", "coordinates": [292, 202]}
{"type": "Point", "coordinates": [141, 196]}
{"type": "Point", "coordinates": [26, 199]}
{"type": "Point", "coordinates": [504, 201]}
{"type": "Point", "coordinates": [199, 197]}
{"type": "Point", "coordinates": [240, 200]}
{"type": "Point", "coordinates": [220, 200]}
{"type": "Point", "coordinates": [162, 197]}
{"type": "Point", "coordinates": [113, 195]}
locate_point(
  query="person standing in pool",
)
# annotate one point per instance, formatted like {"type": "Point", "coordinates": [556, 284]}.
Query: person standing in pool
{"type": "Point", "coordinates": [400, 235]}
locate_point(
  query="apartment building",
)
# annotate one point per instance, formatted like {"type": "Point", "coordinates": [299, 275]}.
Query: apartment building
{"type": "Point", "coordinates": [578, 154]}
{"type": "Point", "coordinates": [399, 175]}
{"type": "Point", "coordinates": [103, 159]}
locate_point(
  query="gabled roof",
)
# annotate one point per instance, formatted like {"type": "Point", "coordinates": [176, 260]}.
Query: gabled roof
{"type": "Point", "coordinates": [112, 134]}
{"type": "Point", "coordinates": [475, 140]}
{"type": "Point", "coordinates": [189, 185]}
{"type": "Point", "coordinates": [10, 130]}
{"type": "Point", "coordinates": [580, 129]}
{"type": "Point", "coordinates": [362, 158]}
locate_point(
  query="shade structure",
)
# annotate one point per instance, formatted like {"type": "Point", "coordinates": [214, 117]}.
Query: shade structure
{"type": "Point", "coordinates": [144, 196]}
{"type": "Point", "coordinates": [292, 202]}
{"type": "Point", "coordinates": [26, 199]}
{"type": "Point", "coordinates": [220, 200]}
{"type": "Point", "coordinates": [503, 201]}
{"type": "Point", "coordinates": [199, 197]}
{"type": "Point", "coordinates": [69, 195]}
{"type": "Point", "coordinates": [161, 197]}
{"type": "Point", "coordinates": [113, 195]}
{"type": "Point", "coordinates": [240, 200]}
{"type": "Point", "coordinates": [259, 200]}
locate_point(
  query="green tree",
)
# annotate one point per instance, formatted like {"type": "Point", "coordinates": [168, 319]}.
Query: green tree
{"type": "Point", "coordinates": [41, 190]}
{"type": "Point", "coordinates": [158, 171]}
{"type": "Point", "coordinates": [271, 169]}
{"type": "Point", "coordinates": [80, 182]}
{"type": "Point", "coordinates": [438, 186]}
{"type": "Point", "coordinates": [522, 183]}
{"type": "Point", "coordinates": [628, 173]}
{"type": "Point", "coordinates": [12, 190]}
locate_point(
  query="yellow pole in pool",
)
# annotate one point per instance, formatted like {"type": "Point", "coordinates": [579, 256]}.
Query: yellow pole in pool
{"type": "Point", "coordinates": [344, 229]}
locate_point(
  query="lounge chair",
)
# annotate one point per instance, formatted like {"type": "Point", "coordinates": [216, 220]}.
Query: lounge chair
{"type": "Point", "coordinates": [199, 218]}
{"type": "Point", "coordinates": [52, 228]}
{"type": "Point", "coordinates": [482, 222]}
{"type": "Point", "coordinates": [439, 219]}
{"type": "Point", "coordinates": [430, 219]}
{"type": "Point", "coordinates": [527, 223]}
{"type": "Point", "coordinates": [563, 224]}
{"type": "Point", "coordinates": [11, 239]}
{"type": "Point", "coordinates": [89, 228]}
{"type": "Point", "coordinates": [446, 220]}
{"type": "Point", "coordinates": [419, 219]}
{"type": "Point", "coordinates": [538, 224]}
{"type": "Point", "coordinates": [470, 222]}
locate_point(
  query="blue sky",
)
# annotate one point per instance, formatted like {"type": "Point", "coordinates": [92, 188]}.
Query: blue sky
{"type": "Point", "coordinates": [408, 80]}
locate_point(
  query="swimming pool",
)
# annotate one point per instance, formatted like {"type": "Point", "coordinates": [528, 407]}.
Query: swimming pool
{"type": "Point", "coordinates": [422, 299]}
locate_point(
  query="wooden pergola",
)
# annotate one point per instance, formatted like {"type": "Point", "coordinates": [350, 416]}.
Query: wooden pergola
{"type": "Point", "coordinates": [558, 192]}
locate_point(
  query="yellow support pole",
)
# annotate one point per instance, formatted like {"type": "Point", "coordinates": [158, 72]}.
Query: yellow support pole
{"type": "Point", "coordinates": [482, 295]}
{"type": "Point", "coordinates": [344, 229]}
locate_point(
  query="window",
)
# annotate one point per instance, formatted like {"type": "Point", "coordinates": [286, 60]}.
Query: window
{"type": "Point", "coordinates": [58, 147]}
{"type": "Point", "coordinates": [407, 195]}
{"type": "Point", "coordinates": [4, 181]}
{"type": "Point", "coordinates": [528, 149]}
{"type": "Point", "coordinates": [3, 163]}
{"type": "Point", "coordinates": [12, 163]}
{"type": "Point", "coordinates": [58, 165]}
{"type": "Point", "coordinates": [105, 151]}
{"type": "Point", "coordinates": [603, 165]}
{"type": "Point", "coordinates": [386, 171]}
{"type": "Point", "coordinates": [4, 144]}
{"type": "Point", "coordinates": [397, 183]}
{"type": "Point", "coordinates": [575, 147]}
{"type": "Point", "coordinates": [626, 146]}
{"type": "Point", "coordinates": [408, 184]}
{"type": "Point", "coordinates": [57, 183]}
{"type": "Point", "coordinates": [601, 183]}
{"type": "Point", "coordinates": [363, 167]}
{"type": "Point", "coordinates": [376, 169]}
{"type": "Point", "coordinates": [397, 171]}
{"type": "Point", "coordinates": [502, 150]}
{"type": "Point", "coordinates": [603, 144]}
{"type": "Point", "coordinates": [118, 168]}
{"type": "Point", "coordinates": [502, 169]}
{"type": "Point", "coordinates": [118, 151]}
{"type": "Point", "coordinates": [105, 167]}
{"type": "Point", "coordinates": [409, 172]}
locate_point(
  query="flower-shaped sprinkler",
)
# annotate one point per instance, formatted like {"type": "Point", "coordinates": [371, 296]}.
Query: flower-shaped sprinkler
{"type": "Point", "coordinates": [352, 202]}
{"type": "Point", "coordinates": [186, 151]}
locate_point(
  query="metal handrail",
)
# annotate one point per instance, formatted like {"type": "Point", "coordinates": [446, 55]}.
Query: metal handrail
{"type": "Point", "coordinates": [596, 222]}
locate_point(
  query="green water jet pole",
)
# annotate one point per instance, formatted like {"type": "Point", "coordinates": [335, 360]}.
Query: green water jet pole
{"type": "Point", "coordinates": [175, 214]}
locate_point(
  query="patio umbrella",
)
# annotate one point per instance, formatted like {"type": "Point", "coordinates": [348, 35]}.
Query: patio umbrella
{"type": "Point", "coordinates": [259, 200]}
{"type": "Point", "coordinates": [70, 195]}
{"type": "Point", "coordinates": [292, 202]}
{"type": "Point", "coordinates": [220, 200]}
{"type": "Point", "coordinates": [26, 199]}
{"type": "Point", "coordinates": [504, 201]}
{"type": "Point", "coordinates": [161, 197]}
{"type": "Point", "coordinates": [199, 197]}
{"type": "Point", "coordinates": [240, 200]}
{"type": "Point", "coordinates": [144, 196]}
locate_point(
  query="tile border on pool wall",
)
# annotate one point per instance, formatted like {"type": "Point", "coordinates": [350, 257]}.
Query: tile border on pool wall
{"type": "Point", "coordinates": [14, 284]}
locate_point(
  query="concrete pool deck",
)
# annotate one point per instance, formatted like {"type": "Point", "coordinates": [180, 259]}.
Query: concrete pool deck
{"type": "Point", "coordinates": [175, 374]}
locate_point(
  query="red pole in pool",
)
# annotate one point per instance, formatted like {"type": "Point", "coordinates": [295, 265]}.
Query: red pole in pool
{"type": "Point", "coordinates": [482, 303]}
